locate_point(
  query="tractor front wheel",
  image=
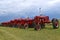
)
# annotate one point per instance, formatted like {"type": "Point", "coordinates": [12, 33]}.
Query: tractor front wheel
{"type": "Point", "coordinates": [37, 27]}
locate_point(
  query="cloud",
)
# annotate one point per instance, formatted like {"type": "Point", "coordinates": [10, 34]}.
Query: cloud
{"type": "Point", "coordinates": [20, 5]}
{"type": "Point", "coordinates": [23, 8]}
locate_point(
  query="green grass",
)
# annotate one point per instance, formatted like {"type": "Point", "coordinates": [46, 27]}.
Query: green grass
{"type": "Point", "coordinates": [48, 33]}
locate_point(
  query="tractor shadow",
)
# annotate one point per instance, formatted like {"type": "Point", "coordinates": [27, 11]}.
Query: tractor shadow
{"type": "Point", "coordinates": [46, 28]}
{"type": "Point", "coordinates": [49, 28]}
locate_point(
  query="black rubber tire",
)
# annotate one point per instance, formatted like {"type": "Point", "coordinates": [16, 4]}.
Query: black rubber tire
{"type": "Point", "coordinates": [37, 27]}
{"type": "Point", "coordinates": [26, 26]}
{"type": "Point", "coordinates": [54, 20]}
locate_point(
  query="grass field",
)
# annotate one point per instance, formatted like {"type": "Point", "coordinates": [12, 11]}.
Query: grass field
{"type": "Point", "coordinates": [48, 33]}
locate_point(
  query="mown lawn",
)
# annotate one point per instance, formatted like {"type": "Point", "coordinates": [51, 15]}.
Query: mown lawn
{"type": "Point", "coordinates": [48, 33]}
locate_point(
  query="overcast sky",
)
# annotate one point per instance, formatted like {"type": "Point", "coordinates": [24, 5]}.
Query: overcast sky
{"type": "Point", "coordinates": [23, 8]}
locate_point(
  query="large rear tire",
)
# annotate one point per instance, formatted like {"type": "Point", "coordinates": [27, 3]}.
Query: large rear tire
{"type": "Point", "coordinates": [55, 23]}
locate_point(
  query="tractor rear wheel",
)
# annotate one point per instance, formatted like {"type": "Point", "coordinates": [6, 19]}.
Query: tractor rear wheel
{"type": "Point", "coordinates": [55, 23]}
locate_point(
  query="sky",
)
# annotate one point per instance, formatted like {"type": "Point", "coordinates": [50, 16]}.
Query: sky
{"type": "Point", "coordinates": [12, 9]}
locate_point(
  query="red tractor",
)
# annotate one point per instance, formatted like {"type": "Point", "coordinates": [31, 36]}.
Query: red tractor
{"type": "Point", "coordinates": [41, 20]}
{"type": "Point", "coordinates": [37, 23]}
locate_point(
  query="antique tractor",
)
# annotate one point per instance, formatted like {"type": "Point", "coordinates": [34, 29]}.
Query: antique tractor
{"type": "Point", "coordinates": [38, 22]}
